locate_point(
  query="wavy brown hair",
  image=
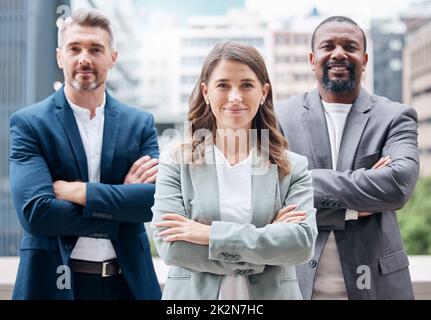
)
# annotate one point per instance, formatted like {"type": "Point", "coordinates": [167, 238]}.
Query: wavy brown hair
{"type": "Point", "coordinates": [201, 116]}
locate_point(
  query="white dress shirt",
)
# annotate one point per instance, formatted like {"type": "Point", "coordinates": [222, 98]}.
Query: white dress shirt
{"type": "Point", "coordinates": [234, 185]}
{"type": "Point", "coordinates": [91, 132]}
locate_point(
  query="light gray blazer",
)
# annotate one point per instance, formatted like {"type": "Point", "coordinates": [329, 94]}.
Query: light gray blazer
{"type": "Point", "coordinates": [375, 127]}
{"type": "Point", "coordinates": [263, 252]}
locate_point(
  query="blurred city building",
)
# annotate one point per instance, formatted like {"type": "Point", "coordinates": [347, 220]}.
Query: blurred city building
{"type": "Point", "coordinates": [28, 38]}
{"type": "Point", "coordinates": [292, 72]}
{"type": "Point", "coordinates": [417, 87]}
{"type": "Point", "coordinates": [388, 41]}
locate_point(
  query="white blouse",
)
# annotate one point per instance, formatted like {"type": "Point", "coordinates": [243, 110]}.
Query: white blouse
{"type": "Point", "coordinates": [234, 185]}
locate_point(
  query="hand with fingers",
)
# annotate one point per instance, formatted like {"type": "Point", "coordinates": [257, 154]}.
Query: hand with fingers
{"type": "Point", "coordinates": [144, 170]}
{"type": "Point", "coordinates": [180, 228]}
{"type": "Point", "coordinates": [288, 214]}
{"type": "Point", "coordinates": [383, 162]}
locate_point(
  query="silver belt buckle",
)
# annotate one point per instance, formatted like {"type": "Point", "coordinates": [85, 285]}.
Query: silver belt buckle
{"type": "Point", "coordinates": [104, 267]}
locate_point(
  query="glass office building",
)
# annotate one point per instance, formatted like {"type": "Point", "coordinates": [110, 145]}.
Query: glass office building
{"type": "Point", "coordinates": [28, 69]}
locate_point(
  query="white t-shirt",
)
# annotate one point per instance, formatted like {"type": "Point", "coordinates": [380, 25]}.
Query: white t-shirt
{"type": "Point", "coordinates": [336, 116]}
{"type": "Point", "coordinates": [234, 185]}
{"type": "Point", "coordinates": [329, 282]}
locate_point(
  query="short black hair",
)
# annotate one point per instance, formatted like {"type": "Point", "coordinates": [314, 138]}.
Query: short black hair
{"type": "Point", "coordinates": [339, 19]}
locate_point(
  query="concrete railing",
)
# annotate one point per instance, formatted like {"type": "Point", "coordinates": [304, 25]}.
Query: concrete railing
{"type": "Point", "coordinates": [420, 270]}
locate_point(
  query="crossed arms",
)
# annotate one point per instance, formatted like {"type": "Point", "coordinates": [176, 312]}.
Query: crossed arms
{"type": "Point", "coordinates": [68, 208]}
{"type": "Point", "coordinates": [233, 248]}
{"type": "Point", "coordinates": [376, 190]}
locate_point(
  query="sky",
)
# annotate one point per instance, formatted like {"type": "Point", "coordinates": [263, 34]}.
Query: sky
{"type": "Point", "coordinates": [362, 9]}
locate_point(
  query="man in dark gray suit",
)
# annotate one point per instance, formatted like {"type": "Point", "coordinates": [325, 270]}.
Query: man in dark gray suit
{"type": "Point", "coordinates": [363, 155]}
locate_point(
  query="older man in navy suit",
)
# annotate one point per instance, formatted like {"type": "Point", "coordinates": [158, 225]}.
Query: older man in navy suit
{"type": "Point", "coordinates": [82, 167]}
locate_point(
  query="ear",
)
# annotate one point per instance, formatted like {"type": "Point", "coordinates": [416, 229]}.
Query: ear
{"type": "Point", "coordinates": [364, 61]}
{"type": "Point", "coordinates": [265, 90]}
{"type": "Point", "coordinates": [59, 58]}
{"type": "Point", "coordinates": [114, 57]}
{"type": "Point", "coordinates": [312, 61]}
{"type": "Point", "coordinates": [204, 90]}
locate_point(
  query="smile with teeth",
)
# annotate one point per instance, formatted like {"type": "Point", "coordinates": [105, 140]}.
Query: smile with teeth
{"type": "Point", "coordinates": [338, 68]}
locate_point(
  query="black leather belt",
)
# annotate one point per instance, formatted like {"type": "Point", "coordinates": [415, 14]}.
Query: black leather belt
{"type": "Point", "coordinates": [104, 269]}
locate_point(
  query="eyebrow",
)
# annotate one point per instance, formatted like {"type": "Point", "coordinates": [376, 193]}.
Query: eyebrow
{"type": "Point", "coordinates": [343, 39]}
{"type": "Point", "coordinates": [243, 80]}
{"type": "Point", "coordinates": [92, 44]}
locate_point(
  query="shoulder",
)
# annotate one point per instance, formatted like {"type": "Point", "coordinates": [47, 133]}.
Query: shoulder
{"type": "Point", "coordinates": [297, 162]}
{"type": "Point", "coordinates": [298, 169]}
{"type": "Point", "coordinates": [383, 105]}
{"type": "Point", "coordinates": [171, 153]}
{"type": "Point", "coordinates": [291, 102]}
{"type": "Point", "coordinates": [132, 112]}
{"type": "Point", "coordinates": [41, 110]}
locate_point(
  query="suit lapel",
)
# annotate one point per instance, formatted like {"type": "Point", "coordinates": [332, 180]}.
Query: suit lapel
{"type": "Point", "coordinates": [316, 131]}
{"type": "Point", "coordinates": [204, 180]}
{"type": "Point", "coordinates": [67, 119]}
{"type": "Point", "coordinates": [110, 133]}
{"type": "Point", "coordinates": [356, 121]}
{"type": "Point", "coordinates": [205, 184]}
{"type": "Point", "coordinates": [263, 193]}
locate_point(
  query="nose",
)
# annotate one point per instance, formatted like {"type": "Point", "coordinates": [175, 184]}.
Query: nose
{"type": "Point", "coordinates": [338, 53]}
{"type": "Point", "coordinates": [235, 95]}
{"type": "Point", "coordinates": [83, 58]}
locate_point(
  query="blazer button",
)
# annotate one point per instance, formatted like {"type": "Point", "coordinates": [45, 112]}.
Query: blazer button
{"type": "Point", "coordinates": [252, 279]}
{"type": "Point", "coordinates": [235, 257]}
{"type": "Point", "coordinates": [313, 263]}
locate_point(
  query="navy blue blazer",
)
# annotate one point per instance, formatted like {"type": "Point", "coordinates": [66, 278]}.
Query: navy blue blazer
{"type": "Point", "coordinates": [46, 146]}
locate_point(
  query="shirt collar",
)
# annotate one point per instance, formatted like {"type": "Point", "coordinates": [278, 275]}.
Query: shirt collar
{"type": "Point", "coordinates": [336, 107]}
{"type": "Point", "coordinates": [221, 159]}
{"type": "Point", "coordinates": [83, 113]}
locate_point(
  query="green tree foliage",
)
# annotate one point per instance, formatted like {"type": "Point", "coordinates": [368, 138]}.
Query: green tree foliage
{"type": "Point", "coordinates": [415, 220]}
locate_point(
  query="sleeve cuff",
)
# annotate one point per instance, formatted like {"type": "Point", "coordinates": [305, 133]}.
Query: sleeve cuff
{"type": "Point", "coordinates": [351, 215]}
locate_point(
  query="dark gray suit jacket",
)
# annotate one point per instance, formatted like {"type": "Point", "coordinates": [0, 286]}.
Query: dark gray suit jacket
{"type": "Point", "coordinates": [375, 127]}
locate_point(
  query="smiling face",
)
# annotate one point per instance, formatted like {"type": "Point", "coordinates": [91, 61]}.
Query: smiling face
{"type": "Point", "coordinates": [85, 56]}
{"type": "Point", "coordinates": [338, 60]}
{"type": "Point", "coordinates": [234, 94]}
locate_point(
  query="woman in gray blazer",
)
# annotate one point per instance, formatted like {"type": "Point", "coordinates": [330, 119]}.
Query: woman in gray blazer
{"type": "Point", "coordinates": [233, 211]}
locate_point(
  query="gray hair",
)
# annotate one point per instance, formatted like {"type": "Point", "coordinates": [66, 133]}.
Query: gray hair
{"type": "Point", "coordinates": [85, 17]}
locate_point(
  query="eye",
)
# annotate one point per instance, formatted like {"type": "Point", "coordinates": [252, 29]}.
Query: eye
{"type": "Point", "coordinates": [350, 48]}
{"type": "Point", "coordinates": [96, 50]}
{"type": "Point", "coordinates": [248, 85]}
{"type": "Point", "coordinates": [74, 49]}
{"type": "Point", "coordinates": [222, 85]}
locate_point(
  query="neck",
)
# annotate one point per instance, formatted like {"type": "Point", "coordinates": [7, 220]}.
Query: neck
{"type": "Point", "coordinates": [234, 144]}
{"type": "Point", "coordinates": [338, 97]}
{"type": "Point", "coordinates": [88, 99]}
